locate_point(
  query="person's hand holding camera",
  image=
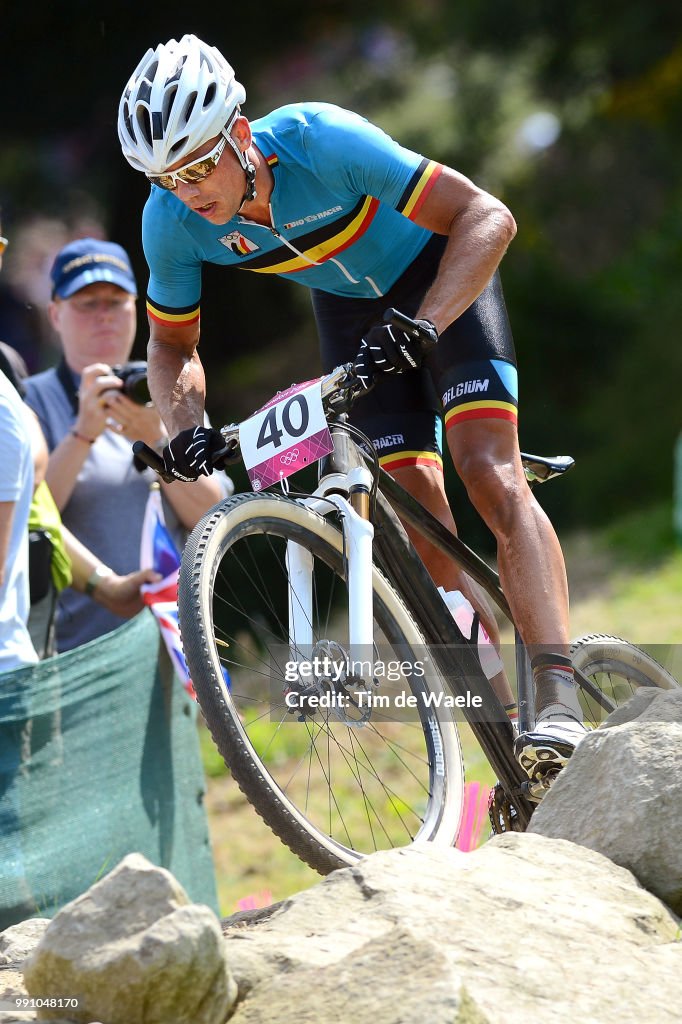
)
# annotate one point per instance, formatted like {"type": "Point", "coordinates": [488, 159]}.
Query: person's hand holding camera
{"type": "Point", "coordinates": [108, 402]}
{"type": "Point", "coordinates": [98, 385]}
{"type": "Point", "coordinates": [133, 421]}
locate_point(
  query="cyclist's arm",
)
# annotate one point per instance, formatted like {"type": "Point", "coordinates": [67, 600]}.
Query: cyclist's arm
{"type": "Point", "coordinates": [176, 376]}
{"type": "Point", "coordinates": [178, 388]}
{"type": "Point", "coordinates": [480, 228]}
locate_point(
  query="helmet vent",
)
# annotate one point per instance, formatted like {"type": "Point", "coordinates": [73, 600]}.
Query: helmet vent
{"type": "Point", "coordinates": [177, 148]}
{"type": "Point", "coordinates": [168, 100]}
{"type": "Point", "coordinates": [190, 104]}
{"type": "Point", "coordinates": [144, 92]}
{"type": "Point", "coordinates": [128, 121]}
{"type": "Point", "coordinates": [176, 76]}
{"type": "Point", "coordinates": [144, 124]}
{"type": "Point", "coordinates": [157, 125]}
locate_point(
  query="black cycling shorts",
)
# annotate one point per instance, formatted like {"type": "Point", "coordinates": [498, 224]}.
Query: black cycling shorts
{"type": "Point", "coordinates": [471, 373]}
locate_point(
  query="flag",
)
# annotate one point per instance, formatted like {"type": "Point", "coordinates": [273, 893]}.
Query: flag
{"type": "Point", "coordinates": [159, 552]}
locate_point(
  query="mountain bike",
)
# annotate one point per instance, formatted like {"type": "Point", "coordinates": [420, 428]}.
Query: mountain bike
{"type": "Point", "coordinates": [330, 672]}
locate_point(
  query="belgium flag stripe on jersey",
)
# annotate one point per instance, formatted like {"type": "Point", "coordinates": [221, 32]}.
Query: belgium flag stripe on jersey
{"type": "Point", "coordinates": [319, 245]}
{"type": "Point", "coordinates": [418, 188]}
{"type": "Point", "coordinates": [168, 316]}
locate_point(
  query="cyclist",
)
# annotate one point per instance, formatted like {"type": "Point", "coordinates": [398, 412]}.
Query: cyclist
{"type": "Point", "coordinates": [320, 196]}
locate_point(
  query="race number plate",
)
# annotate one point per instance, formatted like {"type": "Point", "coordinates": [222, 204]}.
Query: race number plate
{"type": "Point", "coordinates": [287, 434]}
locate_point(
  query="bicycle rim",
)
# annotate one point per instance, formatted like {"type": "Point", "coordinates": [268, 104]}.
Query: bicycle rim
{"type": "Point", "coordinates": [618, 668]}
{"type": "Point", "coordinates": [332, 789]}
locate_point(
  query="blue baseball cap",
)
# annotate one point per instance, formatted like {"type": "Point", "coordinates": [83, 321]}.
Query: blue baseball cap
{"type": "Point", "coordinates": [89, 261]}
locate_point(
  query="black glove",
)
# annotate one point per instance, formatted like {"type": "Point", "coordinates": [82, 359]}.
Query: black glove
{"type": "Point", "coordinates": [193, 453]}
{"type": "Point", "coordinates": [388, 349]}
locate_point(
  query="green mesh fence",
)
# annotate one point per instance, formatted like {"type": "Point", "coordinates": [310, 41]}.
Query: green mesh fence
{"type": "Point", "coordinates": [99, 757]}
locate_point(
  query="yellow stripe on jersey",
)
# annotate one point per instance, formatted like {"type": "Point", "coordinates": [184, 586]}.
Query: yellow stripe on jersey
{"type": "Point", "coordinates": [179, 319]}
{"type": "Point", "coordinates": [422, 188]}
{"type": "Point", "coordinates": [333, 245]}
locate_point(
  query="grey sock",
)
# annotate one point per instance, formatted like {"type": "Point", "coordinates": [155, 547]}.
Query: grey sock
{"type": "Point", "coordinates": [556, 694]}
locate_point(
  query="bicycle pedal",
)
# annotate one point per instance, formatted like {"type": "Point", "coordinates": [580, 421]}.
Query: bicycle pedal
{"type": "Point", "coordinates": [538, 785]}
{"type": "Point", "coordinates": [536, 756]}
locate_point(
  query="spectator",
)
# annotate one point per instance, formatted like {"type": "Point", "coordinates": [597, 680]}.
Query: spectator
{"type": "Point", "coordinates": [21, 322]}
{"type": "Point", "coordinates": [89, 424]}
{"type": "Point", "coordinates": [57, 559]}
{"type": "Point", "coordinates": [16, 491]}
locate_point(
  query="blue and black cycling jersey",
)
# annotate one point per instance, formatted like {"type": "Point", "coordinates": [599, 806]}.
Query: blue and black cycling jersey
{"type": "Point", "coordinates": [342, 206]}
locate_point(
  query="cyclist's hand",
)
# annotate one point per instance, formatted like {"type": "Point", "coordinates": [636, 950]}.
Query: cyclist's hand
{"type": "Point", "coordinates": [192, 453]}
{"type": "Point", "coordinates": [388, 349]}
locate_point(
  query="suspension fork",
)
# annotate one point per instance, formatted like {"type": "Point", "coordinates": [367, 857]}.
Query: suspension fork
{"type": "Point", "coordinates": [358, 536]}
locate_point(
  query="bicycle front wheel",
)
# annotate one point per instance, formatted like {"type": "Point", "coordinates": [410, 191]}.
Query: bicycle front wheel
{"type": "Point", "coordinates": [618, 669]}
{"type": "Point", "coordinates": [334, 785]}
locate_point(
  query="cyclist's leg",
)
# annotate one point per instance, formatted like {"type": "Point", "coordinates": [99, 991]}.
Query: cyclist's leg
{"type": "Point", "coordinates": [426, 484]}
{"type": "Point", "coordinates": [486, 456]}
{"type": "Point", "coordinates": [474, 370]}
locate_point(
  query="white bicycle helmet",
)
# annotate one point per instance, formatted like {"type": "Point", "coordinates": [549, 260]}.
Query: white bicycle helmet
{"type": "Point", "coordinates": [179, 96]}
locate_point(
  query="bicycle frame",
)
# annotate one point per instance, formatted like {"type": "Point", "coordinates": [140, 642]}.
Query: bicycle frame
{"type": "Point", "coordinates": [339, 484]}
{"type": "Point", "coordinates": [335, 491]}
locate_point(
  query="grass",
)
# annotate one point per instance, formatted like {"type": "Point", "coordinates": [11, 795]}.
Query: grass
{"type": "Point", "coordinates": [626, 581]}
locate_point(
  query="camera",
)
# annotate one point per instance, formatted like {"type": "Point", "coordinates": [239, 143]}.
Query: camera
{"type": "Point", "coordinates": [133, 376]}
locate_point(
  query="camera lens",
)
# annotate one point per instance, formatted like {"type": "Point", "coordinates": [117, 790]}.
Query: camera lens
{"type": "Point", "coordinates": [136, 388]}
{"type": "Point", "coordinates": [133, 377]}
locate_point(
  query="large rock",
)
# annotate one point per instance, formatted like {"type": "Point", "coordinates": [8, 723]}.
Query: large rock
{"type": "Point", "coordinates": [621, 793]}
{"type": "Point", "coordinates": [133, 950]}
{"type": "Point", "coordinates": [21, 939]}
{"type": "Point", "coordinates": [16, 943]}
{"type": "Point", "coordinates": [526, 928]}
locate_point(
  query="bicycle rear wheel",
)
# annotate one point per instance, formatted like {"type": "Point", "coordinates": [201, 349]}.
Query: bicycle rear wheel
{"type": "Point", "coordinates": [618, 669]}
{"type": "Point", "coordinates": [333, 785]}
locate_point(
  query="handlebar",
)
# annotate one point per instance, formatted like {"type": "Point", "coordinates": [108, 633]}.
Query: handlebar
{"type": "Point", "coordinates": [151, 458]}
{"type": "Point", "coordinates": [340, 388]}
{"type": "Point", "coordinates": [404, 323]}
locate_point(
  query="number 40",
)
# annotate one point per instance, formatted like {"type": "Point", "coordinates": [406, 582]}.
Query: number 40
{"type": "Point", "coordinates": [270, 431]}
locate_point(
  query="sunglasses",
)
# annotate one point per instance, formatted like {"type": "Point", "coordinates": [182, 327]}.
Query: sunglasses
{"type": "Point", "coordinates": [4, 242]}
{"type": "Point", "coordinates": [191, 173]}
